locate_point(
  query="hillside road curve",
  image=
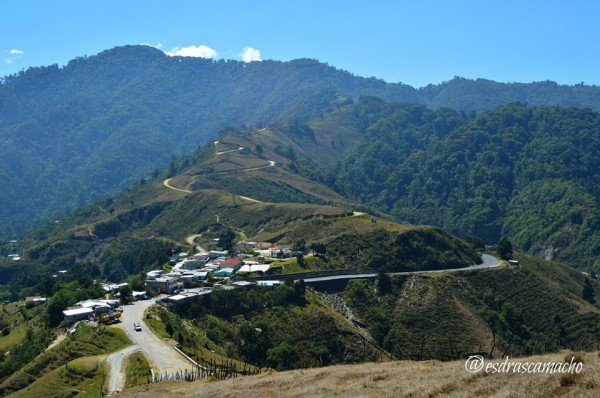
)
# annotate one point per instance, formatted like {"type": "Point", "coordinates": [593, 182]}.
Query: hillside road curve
{"type": "Point", "coordinates": [161, 355]}
{"type": "Point", "coordinates": [116, 361]}
{"type": "Point", "coordinates": [488, 262]}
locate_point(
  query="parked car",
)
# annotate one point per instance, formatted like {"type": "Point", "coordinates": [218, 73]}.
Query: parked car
{"type": "Point", "coordinates": [137, 327]}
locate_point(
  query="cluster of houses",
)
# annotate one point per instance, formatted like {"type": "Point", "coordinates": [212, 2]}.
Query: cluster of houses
{"type": "Point", "coordinates": [195, 268]}
{"type": "Point", "coordinates": [200, 266]}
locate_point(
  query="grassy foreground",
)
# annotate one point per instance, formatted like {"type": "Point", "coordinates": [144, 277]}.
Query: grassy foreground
{"type": "Point", "coordinates": [137, 370]}
{"type": "Point", "coordinates": [396, 379]}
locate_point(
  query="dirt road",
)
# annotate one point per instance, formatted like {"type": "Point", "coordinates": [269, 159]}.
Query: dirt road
{"type": "Point", "coordinates": [116, 362]}
{"type": "Point", "coordinates": [190, 241]}
{"type": "Point", "coordinates": [167, 183]}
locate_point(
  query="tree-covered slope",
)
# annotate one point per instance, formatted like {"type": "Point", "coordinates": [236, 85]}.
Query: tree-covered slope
{"type": "Point", "coordinates": [286, 327]}
{"type": "Point", "coordinates": [484, 95]}
{"type": "Point", "coordinates": [226, 186]}
{"type": "Point", "coordinates": [527, 173]}
{"type": "Point", "coordinates": [536, 307]}
{"type": "Point", "coordinates": [71, 135]}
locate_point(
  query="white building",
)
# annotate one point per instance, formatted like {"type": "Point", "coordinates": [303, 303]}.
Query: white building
{"type": "Point", "coordinates": [154, 274]}
{"type": "Point", "coordinates": [77, 314]}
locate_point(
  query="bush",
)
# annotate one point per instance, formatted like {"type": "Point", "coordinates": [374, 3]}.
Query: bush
{"type": "Point", "coordinates": [569, 379]}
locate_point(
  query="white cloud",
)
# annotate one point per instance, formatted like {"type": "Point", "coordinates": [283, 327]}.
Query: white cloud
{"type": "Point", "coordinates": [158, 46]}
{"type": "Point", "coordinates": [201, 51]}
{"type": "Point", "coordinates": [14, 55]}
{"type": "Point", "coordinates": [250, 54]}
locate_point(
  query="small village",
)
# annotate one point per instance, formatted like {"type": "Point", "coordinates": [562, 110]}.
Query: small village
{"type": "Point", "coordinates": [190, 276]}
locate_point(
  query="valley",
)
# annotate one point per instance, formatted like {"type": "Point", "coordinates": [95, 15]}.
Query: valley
{"type": "Point", "coordinates": [293, 227]}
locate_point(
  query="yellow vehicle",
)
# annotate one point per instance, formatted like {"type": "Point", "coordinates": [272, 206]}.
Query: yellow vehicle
{"type": "Point", "coordinates": [111, 316]}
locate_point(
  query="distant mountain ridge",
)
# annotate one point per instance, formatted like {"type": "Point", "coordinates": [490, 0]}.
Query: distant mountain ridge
{"type": "Point", "coordinates": [71, 135]}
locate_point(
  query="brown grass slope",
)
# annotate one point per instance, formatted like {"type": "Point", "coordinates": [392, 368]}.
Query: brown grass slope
{"type": "Point", "coordinates": [395, 379]}
{"type": "Point", "coordinates": [257, 173]}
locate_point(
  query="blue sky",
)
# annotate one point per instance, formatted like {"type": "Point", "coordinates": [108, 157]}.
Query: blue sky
{"type": "Point", "coordinates": [414, 42]}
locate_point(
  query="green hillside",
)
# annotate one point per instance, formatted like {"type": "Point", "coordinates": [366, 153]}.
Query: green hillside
{"type": "Point", "coordinates": [78, 352]}
{"type": "Point", "coordinates": [228, 185]}
{"type": "Point", "coordinates": [536, 307]}
{"type": "Point", "coordinates": [526, 173]}
{"type": "Point", "coordinates": [282, 328]}
{"type": "Point", "coordinates": [74, 134]}
{"type": "Point", "coordinates": [510, 310]}
{"type": "Point", "coordinates": [245, 186]}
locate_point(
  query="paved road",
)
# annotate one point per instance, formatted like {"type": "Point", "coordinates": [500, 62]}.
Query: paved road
{"type": "Point", "coordinates": [116, 361]}
{"type": "Point", "coordinates": [488, 262]}
{"type": "Point", "coordinates": [163, 357]}
{"type": "Point", "coordinates": [160, 354]}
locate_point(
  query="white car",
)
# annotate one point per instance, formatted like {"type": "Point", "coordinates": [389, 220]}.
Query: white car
{"type": "Point", "coordinates": [137, 327]}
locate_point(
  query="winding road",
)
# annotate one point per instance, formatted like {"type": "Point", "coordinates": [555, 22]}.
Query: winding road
{"type": "Point", "coordinates": [190, 240]}
{"type": "Point", "coordinates": [488, 262]}
{"type": "Point", "coordinates": [165, 359]}
{"type": "Point", "coordinates": [270, 163]}
{"type": "Point", "coordinates": [161, 355]}
{"type": "Point", "coordinates": [230, 150]}
{"type": "Point", "coordinates": [116, 361]}
{"type": "Point", "coordinates": [167, 183]}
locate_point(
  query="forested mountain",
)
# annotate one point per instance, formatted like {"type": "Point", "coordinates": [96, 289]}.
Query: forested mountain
{"type": "Point", "coordinates": [529, 173]}
{"type": "Point", "coordinates": [74, 134]}
{"type": "Point", "coordinates": [483, 95]}
{"type": "Point", "coordinates": [246, 186]}
{"type": "Point", "coordinates": [331, 168]}
{"type": "Point", "coordinates": [137, 230]}
{"type": "Point", "coordinates": [71, 135]}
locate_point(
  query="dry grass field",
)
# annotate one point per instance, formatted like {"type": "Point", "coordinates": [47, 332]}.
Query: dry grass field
{"type": "Point", "coordinates": [396, 379]}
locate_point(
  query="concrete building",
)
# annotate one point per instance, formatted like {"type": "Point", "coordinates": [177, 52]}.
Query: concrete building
{"type": "Point", "coordinates": [200, 275]}
{"type": "Point", "coordinates": [154, 274]}
{"type": "Point", "coordinates": [193, 263]}
{"type": "Point", "coordinates": [255, 267]}
{"type": "Point", "coordinates": [166, 285]}
{"type": "Point", "coordinates": [35, 299]}
{"type": "Point", "coordinates": [216, 254]}
{"type": "Point", "coordinates": [77, 314]}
